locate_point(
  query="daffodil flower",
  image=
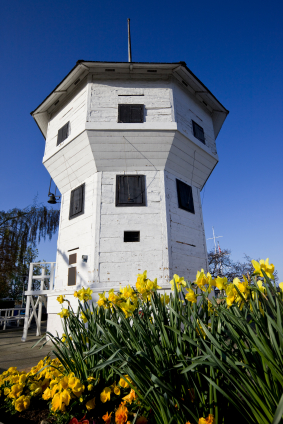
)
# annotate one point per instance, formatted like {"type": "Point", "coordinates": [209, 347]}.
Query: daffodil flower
{"type": "Point", "coordinates": [65, 313]}
{"type": "Point", "coordinates": [61, 299]}
{"type": "Point", "coordinates": [265, 266]}
{"type": "Point", "coordinates": [191, 296]}
{"type": "Point", "coordinates": [179, 281]}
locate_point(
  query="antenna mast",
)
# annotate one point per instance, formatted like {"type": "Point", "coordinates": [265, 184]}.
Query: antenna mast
{"type": "Point", "coordinates": [129, 43]}
{"type": "Point", "coordinates": [214, 238]}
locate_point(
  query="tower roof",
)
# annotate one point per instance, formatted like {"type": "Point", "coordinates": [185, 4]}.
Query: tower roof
{"type": "Point", "coordinates": [178, 69]}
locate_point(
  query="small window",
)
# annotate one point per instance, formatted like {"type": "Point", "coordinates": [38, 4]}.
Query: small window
{"type": "Point", "coordinates": [130, 113]}
{"type": "Point", "coordinates": [63, 133]}
{"type": "Point", "coordinates": [130, 190]}
{"type": "Point", "coordinates": [185, 196]}
{"type": "Point", "coordinates": [77, 202]}
{"type": "Point", "coordinates": [72, 259]}
{"type": "Point", "coordinates": [131, 236]}
{"type": "Point", "coordinates": [198, 132]}
{"type": "Point", "coordinates": [72, 274]}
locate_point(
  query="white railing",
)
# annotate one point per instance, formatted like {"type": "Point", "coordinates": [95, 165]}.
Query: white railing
{"type": "Point", "coordinates": [46, 285]}
{"type": "Point", "coordinates": [9, 316]}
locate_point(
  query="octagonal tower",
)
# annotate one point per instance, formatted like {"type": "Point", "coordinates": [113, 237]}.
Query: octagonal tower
{"type": "Point", "coordinates": [130, 146]}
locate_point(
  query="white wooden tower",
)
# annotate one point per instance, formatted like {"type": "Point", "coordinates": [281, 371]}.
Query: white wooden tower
{"type": "Point", "coordinates": [130, 146]}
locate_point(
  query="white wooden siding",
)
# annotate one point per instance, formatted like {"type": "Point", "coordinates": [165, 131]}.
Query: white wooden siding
{"type": "Point", "coordinates": [72, 164]}
{"type": "Point", "coordinates": [187, 108]}
{"type": "Point", "coordinates": [156, 97]}
{"type": "Point", "coordinates": [186, 232]}
{"type": "Point", "coordinates": [120, 262]}
{"type": "Point", "coordinates": [74, 110]}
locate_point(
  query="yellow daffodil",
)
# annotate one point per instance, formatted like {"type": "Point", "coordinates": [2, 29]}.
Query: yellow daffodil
{"type": "Point", "coordinates": [202, 279]}
{"type": "Point", "coordinates": [126, 292]}
{"type": "Point", "coordinates": [90, 404]}
{"type": "Point", "coordinates": [65, 313]}
{"type": "Point", "coordinates": [105, 394]}
{"type": "Point", "coordinates": [61, 299]}
{"type": "Point", "coordinates": [281, 286]}
{"type": "Point", "coordinates": [90, 387]}
{"type": "Point", "coordinates": [179, 281]}
{"type": "Point", "coordinates": [102, 301]}
{"type": "Point", "coordinates": [83, 317]}
{"type": "Point", "coordinates": [265, 266]}
{"type": "Point", "coordinates": [221, 282]}
{"type": "Point", "coordinates": [84, 294]}
{"type": "Point", "coordinates": [191, 296]}
{"type": "Point", "coordinates": [165, 298]}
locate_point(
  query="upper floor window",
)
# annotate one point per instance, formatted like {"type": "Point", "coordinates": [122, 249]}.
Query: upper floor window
{"type": "Point", "coordinates": [77, 201]}
{"type": "Point", "coordinates": [185, 196]}
{"type": "Point", "coordinates": [63, 133]}
{"type": "Point", "coordinates": [130, 190]}
{"type": "Point", "coordinates": [130, 113]}
{"type": "Point", "coordinates": [198, 132]}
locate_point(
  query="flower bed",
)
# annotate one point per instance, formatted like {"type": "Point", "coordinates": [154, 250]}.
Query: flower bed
{"type": "Point", "coordinates": [142, 357]}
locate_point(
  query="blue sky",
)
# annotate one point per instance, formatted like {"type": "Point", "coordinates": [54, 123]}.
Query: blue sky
{"type": "Point", "coordinates": [234, 48]}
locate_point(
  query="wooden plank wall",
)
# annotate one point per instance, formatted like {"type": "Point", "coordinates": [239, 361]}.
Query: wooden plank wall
{"type": "Point", "coordinates": [186, 232]}
{"type": "Point", "coordinates": [155, 95]}
{"type": "Point", "coordinates": [73, 109]}
{"type": "Point", "coordinates": [78, 232]}
{"type": "Point", "coordinates": [72, 164]}
{"type": "Point", "coordinates": [120, 262]}
{"type": "Point", "coordinates": [188, 108]}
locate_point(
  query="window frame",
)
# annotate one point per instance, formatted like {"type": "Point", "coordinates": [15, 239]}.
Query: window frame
{"type": "Point", "coordinates": [179, 184]}
{"type": "Point", "coordinates": [130, 106]}
{"type": "Point", "coordinates": [196, 125]}
{"type": "Point", "coordinates": [83, 202]}
{"type": "Point", "coordinates": [68, 133]}
{"type": "Point", "coordinates": [143, 192]}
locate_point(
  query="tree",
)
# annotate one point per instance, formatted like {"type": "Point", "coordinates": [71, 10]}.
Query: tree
{"type": "Point", "coordinates": [20, 228]}
{"type": "Point", "coordinates": [220, 263]}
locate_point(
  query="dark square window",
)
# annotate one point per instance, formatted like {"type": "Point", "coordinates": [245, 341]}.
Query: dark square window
{"type": "Point", "coordinates": [72, 274]}
{"type": "Point", "coordinates": [63, 133]}
{"type": "Point", "coordinates": [198, 132]}
{"type": "Point", "coordinates": [77, 201]}
{"type": "Point", "coordinates": [130, 113]}
{"type": "Point", "coordinates": [72, 259]}
{"type": "Point", "coordinates": [130, 190]}
{"type": "Point", "coordinates": [185, 196]}
{"type": "Point", "coordinates": [131, 236]}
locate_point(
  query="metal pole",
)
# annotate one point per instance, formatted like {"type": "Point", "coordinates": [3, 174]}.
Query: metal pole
{"type": "Point", "coordinates": [129, 43]}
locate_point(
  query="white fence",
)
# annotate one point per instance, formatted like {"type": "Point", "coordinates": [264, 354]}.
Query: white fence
{"type": "Point", "coordinates": [35, 298]}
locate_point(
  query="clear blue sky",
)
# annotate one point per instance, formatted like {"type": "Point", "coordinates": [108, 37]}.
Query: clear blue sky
{"type": "Point", "coordinates": [235, 48]}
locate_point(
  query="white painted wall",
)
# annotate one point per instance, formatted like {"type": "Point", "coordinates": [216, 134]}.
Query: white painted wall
{"type": "Point", "coordinates": [185, 229]}
{"type": "Point", "coordinates": [188, 108]}
{"type": "Point", "coordinates": [73, 109]}
{"type": "Point", "coordinates": [107, 94]}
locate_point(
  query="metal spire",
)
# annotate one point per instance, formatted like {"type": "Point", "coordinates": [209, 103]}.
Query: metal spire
{"type": "Point", "coordinates": [129, 43]}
